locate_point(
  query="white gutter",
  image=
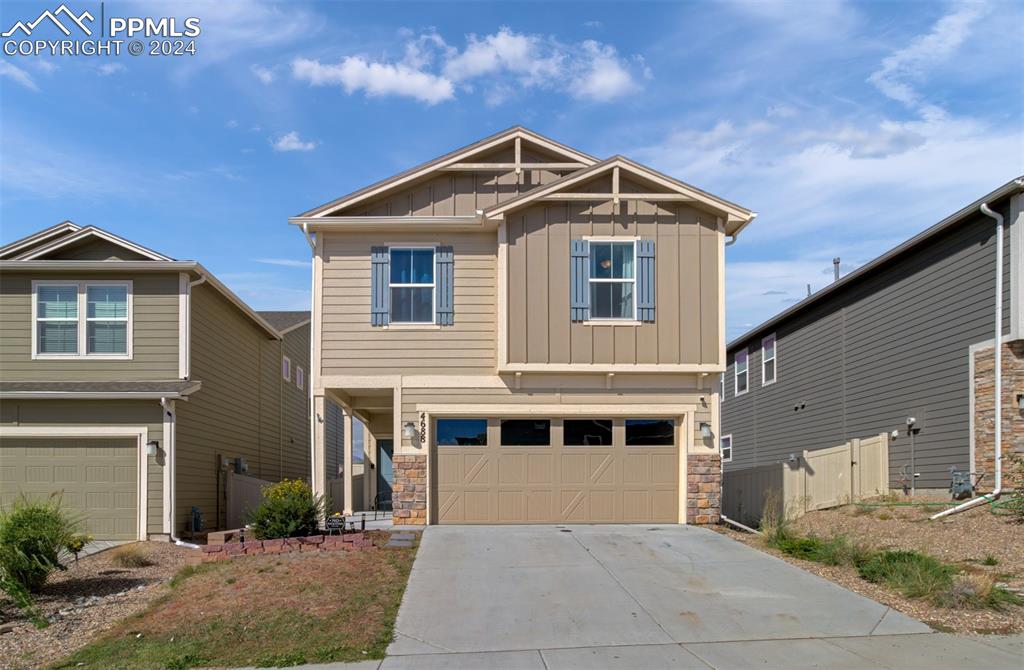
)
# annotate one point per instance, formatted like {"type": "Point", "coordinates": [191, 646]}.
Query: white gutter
{"type": "Point", "coordinates": [997, 346]}
{"type": "Point", "coordinates": [201, 280]}
{"type": "Point", "coordinates": [313, 363]}
{"type": "Point", "coordinates": [736, 233]}
{"type": "Point", "coordinates": [172, 460]}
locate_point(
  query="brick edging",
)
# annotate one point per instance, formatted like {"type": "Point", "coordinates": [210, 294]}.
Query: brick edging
{"type": "Point", "coordinates": [347, 542]}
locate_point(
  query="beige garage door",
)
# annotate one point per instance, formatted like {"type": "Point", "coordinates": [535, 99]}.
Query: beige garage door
{"type": "Point", "coordinates": [599, 479]}
{"type": "Point", "coordinates": [97, 478]}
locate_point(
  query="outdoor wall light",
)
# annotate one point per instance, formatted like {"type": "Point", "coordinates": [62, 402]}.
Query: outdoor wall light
{"type": "Point", "coordinates": [409, 430]}
{"type": "Point", "coordinates": [152, 448]}
{"type": "Point", "coordinates": [705, 430]}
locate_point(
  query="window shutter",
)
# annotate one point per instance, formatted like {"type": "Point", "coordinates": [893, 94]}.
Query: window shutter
{"type": "Point", "coordinates": [645, 280]}
{"type": "Point", "coordinates": [579, 280]}
{"type": "Point", "coordinates": [380, 295]}
{"type": "Point", "coordinates": [444, 258]}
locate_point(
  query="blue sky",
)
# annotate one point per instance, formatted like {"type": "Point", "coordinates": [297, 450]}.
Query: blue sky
{"type": "Point", "coordinates": [847, 126]}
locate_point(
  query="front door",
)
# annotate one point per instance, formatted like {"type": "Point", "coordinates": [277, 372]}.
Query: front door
{"type": "Point", "coordinates": [385, 472]}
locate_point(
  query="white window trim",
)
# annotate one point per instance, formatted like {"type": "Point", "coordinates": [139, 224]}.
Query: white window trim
{"type": "Point", "coordinates": [721, 449]}
{"type": "Point", "coordinates": [300, 377]}
{"type": "Point", "coordinates": [83, 320]}
{"type": "Point", "coordinates": [432, 285]}
{"type": "Point", "coordinates": [286, 368]}
{"type": "Point", "coordinates": [775, 358]}
{"type": "Point", "coordinates": [623, 320]}
{"type": "Point", "coordinates": [736, 374]}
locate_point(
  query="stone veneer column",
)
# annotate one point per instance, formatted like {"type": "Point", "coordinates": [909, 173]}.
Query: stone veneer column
{"type": "Point", "coordinates": [703, 488]}
{"type": "Point", "coordinates": [984, 414]}
{"type": "Point", "coordinates": [409, 491]}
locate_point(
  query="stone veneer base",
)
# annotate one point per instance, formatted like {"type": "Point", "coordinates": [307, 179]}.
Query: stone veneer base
{"type": "Point", "coordinates": [703, 488]}
{"type": "Point", "coordinates": [409, 490]}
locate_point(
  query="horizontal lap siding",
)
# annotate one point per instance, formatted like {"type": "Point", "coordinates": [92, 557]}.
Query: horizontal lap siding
{"type": "Point", "coordinates": [147, 413]}
{"type": "Point", "coordinates": [154, 322]}
{"type": "Point", "coordinates": [295, 417]}
{"type": "Point", "coordinates": [686, 325]}
{"type": "Point", "coordinates": [352, 346]}
{"type": "Point", "coordinates": [891, 345]}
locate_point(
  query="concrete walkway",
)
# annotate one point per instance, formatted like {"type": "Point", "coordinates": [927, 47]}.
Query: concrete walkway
{"type": "Point", "coordinates": [551, 597]}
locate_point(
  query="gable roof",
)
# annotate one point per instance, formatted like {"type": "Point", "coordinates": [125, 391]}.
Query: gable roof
{"type": "Point", "coordinates": [285, 321]}
{"type": "Point", "coordinates": [737, 217]}
{"type": "Point", "coordinates": [36, 239]}
{"type": "Point", "coordinates": [424, 169]}
{"type": "Point", "coordinates": [85, 234]}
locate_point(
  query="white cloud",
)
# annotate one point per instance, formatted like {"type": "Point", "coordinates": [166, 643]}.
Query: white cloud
{"type": "Point", "coordinates": [231, 124]}
{"type": "Point", "coordinates": [283, 262]}
{"type": "Point", "coordinates": [528, 57]}
{"type": "Point", "coordinates": [292, 142]}
{"type": "Point", "coordinates": [107, 69]}
{"type": "Point", "coordinates": [264, 74]}
{"type": "Point", "coordinates": [354, 73]}
{"type": "Point", "coordinates": [44, 65]}
{"type": "Point", "coordinates": [18, 75]}
{"type": "Point", "coordinates": [605, 75]}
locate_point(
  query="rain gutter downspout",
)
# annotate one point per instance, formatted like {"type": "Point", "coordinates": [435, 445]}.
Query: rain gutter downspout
{"type": "Point", "coordinates": [172, 458]}
{"type": "Point", "coordinates": [735, 236]}
{"type": "Point", "coordinates": [997, 346]}
{"type": "Point", "coordinates": [313, 367]}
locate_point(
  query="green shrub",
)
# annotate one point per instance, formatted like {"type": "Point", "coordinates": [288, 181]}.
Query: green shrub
{"type": "Point", "coordinates": [289, 509]}
{"type": "Point", "coordinates": [32, 535]}
{"type": "Point", "coordinates": [913, 574]}
{"type": "Point", "coordinates": [977, 591]}
{"type": "Point", "coordinates": [990, 560]}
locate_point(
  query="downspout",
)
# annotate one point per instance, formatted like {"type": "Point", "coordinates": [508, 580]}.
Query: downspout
{"type": "Point", "coordinates": [735, 236]}
{"type": "Point", "coordinates": [172, 458]}
{"type": "Point", "coordinates": [997, 346]}
{"type": "Point", "coordinates": [313, 372]}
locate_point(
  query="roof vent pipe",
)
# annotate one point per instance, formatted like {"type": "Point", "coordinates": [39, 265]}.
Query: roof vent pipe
{"type": "Point", "coordinates": [997, 345]}
{"type": "Point", "coordinates": [835, 269]}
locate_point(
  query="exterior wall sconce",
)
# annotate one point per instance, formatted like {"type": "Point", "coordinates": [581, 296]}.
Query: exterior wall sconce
{"type": "Point", "coordinates": [409, 430]}
{"type": "Point", "coordinates": [705, 430]}
{"type": "Point", "coordinates": [152, 448]}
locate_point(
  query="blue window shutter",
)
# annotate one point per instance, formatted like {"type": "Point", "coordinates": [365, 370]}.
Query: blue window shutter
{"type": "Point", "coordinates": [380, 294]}
{"type": "Point", "coordinates": [645, 280]}
{"type": "Point", "coordinates": [444, 259]}
{"type": "Point", "coordinates": [579, 280]}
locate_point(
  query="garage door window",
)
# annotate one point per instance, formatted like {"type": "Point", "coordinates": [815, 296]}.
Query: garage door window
{"type": "Point", "coordinates": [525, 433]}
{"type": "Point", "coordinates": [588, 432]}
{"type": "Point", "coordinates": [462, 432]}
{"type": "Point", "coordinates": [650, 432]}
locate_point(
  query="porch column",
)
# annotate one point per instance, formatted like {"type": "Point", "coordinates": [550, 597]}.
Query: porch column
{"type": "Point", "coordinates": [347, 458]}
{"type": "Point", "coordinates": [318, 465]}
{"type": "Point", "coordinates": [369, 468]}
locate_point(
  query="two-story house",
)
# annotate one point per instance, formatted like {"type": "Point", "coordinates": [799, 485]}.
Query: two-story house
{"type": "Point", "coordinates": [134, 385]}
{"type": "Point", "coordinates": [529, 333]}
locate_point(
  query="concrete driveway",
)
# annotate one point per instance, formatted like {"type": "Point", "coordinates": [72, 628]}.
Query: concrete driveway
{"type": "Point", "coordinates": [641, 596]}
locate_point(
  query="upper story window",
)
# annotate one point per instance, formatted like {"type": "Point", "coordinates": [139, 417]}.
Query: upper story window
{"type": "Point", "coordinates": [742, 373]}
{"type": "Point", "coordinates": [300, 377]}
{"type": "Point", "coordinates": [87, 319]}
{"type": "Point", "coordinates": [612, 280]}
{"type": "Point", "coordinates": [726, 448]}
{"type": "Point", "coordinates": [768, 360]}
{"type": "Point", "coordinates": [412, 285]}
{"type": "Point", "coordinates": [286, 369]}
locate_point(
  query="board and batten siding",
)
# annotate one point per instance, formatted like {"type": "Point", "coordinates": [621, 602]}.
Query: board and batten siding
{"type": "Point", "coordinates": [687, 256]}
{"type": "Point", "coordinates": [154, 330]}
{"type": "Point", "coordinates": [93, 413]}
{"type": "Point", "coordinates": [351, 346]}
{"type": "Point", "coordinates": [891, 344]}
{"type": "Point", "coordinates": [235, 412]}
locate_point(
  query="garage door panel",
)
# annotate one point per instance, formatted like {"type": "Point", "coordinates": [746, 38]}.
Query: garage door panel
{"type": "Point", "coordinates": [511, 506]}
{"type": "Point", "coordinates": [476, 506]}
{"type": "Point", "coordinates": [95, 478]}
{"type": "Point", "coordinates": [539, 506]}
{"type": "Point", "coordinates": [664, 468]}
{"type": "Point", "coordinates": [602, 506]}
{"type": "Point", "coordinates": [664, 506]}
{"type": "Point", "coordinates": [574, 469]}
{"type": "Point", "coordinates": [540, 469]}
{"type": "Point", "coordinates": [602, 470]}
{"type": "Point", "coordinates": [512, 469]}
{"type": "Point", "coordinates": [636, 468]}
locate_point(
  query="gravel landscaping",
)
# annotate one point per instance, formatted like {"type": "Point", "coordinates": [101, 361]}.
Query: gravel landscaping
{"type": "Point", "coordinates": [976, 541]}
{"type": "Point", "coordinates": [85, 601]}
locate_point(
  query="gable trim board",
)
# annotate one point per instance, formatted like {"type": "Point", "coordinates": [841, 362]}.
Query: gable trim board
{"type": "Point", "coordinates": [85, 233]}
{"type": "Point", "coordinates": [38, 238]}
{"type": "Point", "coordinates": [140, 433]}
{"type": "Point", "coordinates": [515, 133]}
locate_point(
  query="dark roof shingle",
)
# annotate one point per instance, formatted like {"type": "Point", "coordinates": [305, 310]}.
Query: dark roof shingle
{"type": "Point", "coordinates": [284, 320]}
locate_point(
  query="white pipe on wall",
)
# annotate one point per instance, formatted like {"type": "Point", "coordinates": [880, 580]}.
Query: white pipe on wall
{"type": "Point", "coordinates": [997, 354]}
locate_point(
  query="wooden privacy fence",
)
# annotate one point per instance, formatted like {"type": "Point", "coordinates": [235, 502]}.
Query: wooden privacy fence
{"type": "Point", "coordinates": [816, 479]}
{"type": "Point", "coordinates": [336, 491]}
{"type": "Point", "coordinates": [243, 494]}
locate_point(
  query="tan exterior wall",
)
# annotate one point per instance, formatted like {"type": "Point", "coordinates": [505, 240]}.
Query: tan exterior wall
{"type": "Point", "coordinates": [688, 247]}
{"type": "Point", "coordinates": [155, 332]}
{"type": "Point", "coordinates": [235, 412]}
{"type": "Point", "coordinates": [88, 413]}
{"type": "Point", "coordinates": [351, 346]}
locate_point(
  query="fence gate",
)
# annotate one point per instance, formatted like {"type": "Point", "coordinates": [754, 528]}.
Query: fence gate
{"type": "Point", "coordinates": [243, 494]}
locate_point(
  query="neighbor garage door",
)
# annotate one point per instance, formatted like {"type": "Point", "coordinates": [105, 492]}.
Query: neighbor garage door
{"type": "Point", "coordinates": [568, 471]}
{"type": "Point", "coordinates": [96, 478]}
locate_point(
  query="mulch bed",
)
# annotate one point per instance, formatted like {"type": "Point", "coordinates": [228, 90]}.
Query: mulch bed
{"type": "Point", "coordinates": [86, 600]}
{"type": "Point", "coordinates": [965, 539]}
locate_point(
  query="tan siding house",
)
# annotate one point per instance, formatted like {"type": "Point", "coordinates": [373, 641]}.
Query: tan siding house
{"type": "Point", "coordinates": [529, 334]}
{"type": "Point", "coordinates": [134, 385]}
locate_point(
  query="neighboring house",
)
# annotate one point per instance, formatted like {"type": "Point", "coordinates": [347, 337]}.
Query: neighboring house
{"type": "Point", "coordinates": [131, 383]}
{"type": "Point", "coordinates": [530, 335]}
{"type": "Point", "coordinates": [907, 336]}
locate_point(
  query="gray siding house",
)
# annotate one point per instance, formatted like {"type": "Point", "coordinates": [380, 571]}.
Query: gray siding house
{"type": "Point", "coordinates": [908, 335]}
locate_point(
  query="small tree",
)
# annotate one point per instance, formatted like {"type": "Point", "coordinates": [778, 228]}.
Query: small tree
{"type": "Point", "coordinates": [289, 509]}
